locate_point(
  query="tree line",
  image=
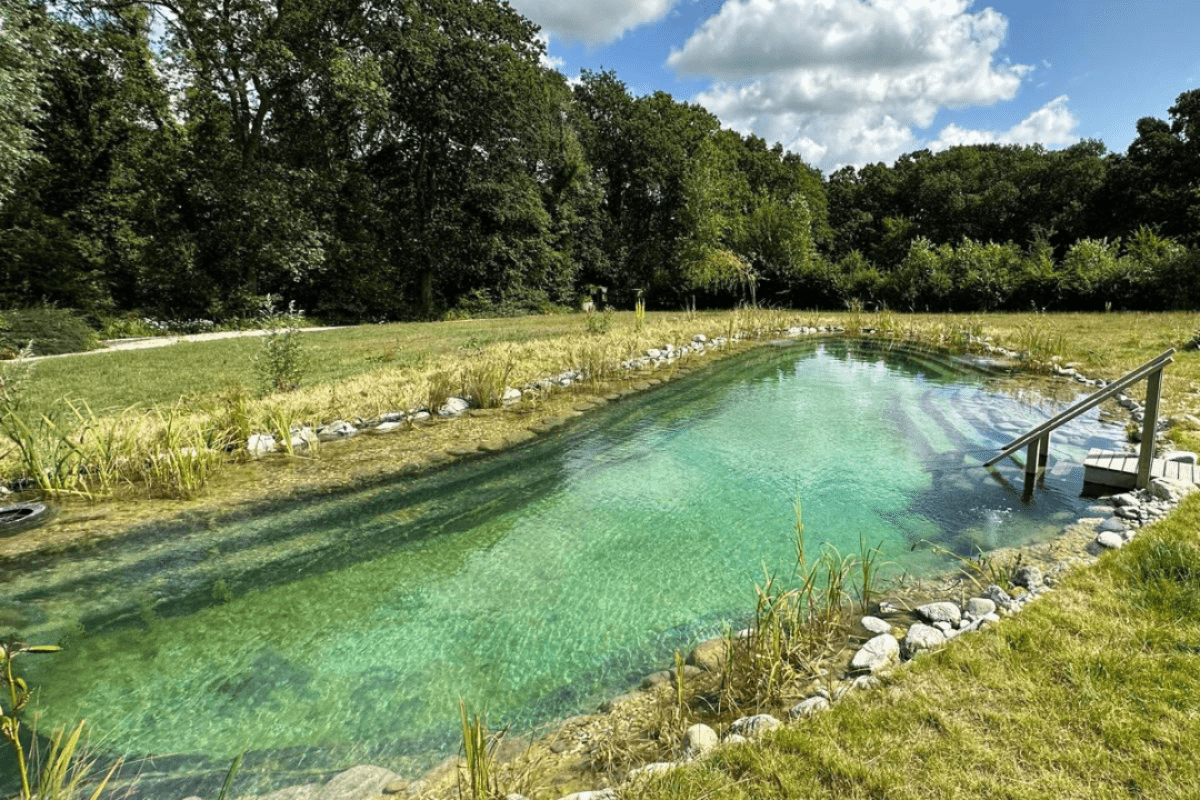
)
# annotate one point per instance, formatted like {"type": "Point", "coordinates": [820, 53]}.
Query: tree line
{"type": "Point", "coordinates": [399, 159]}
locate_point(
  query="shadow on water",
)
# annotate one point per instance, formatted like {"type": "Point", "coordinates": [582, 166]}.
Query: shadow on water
{"type": "Point", "coordinates": [341, 629]}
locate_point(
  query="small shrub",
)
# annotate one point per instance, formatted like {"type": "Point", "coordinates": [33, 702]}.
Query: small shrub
{"type": "Point", "coordinates": [282, 360]}
{"type": "Point", "coordinates": [599, 322]}
{"type": "Point", "coordinates": [51, 331]}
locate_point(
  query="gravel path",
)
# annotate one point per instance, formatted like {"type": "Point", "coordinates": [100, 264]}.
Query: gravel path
{"type": "Point", "coordinates": [149, 342]}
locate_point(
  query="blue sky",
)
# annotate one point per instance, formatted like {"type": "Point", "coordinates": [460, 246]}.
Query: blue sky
{"type": "Point", "coordinates": [858, 81]}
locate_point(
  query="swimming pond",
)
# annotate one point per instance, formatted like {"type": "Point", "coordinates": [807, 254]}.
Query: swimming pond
{"type": "Point", "coordinates": [534, 582]}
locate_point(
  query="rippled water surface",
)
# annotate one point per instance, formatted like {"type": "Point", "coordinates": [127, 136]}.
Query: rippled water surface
{"type": "Point", "coordinates": [531, 583]}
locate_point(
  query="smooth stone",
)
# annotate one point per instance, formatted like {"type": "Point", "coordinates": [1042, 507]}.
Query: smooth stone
{"type": "Point", "coordinates": [876, 625]}
{"type": "Point", "coordinates": [1112, 525]}
{"type": "Point", "coordinates": [1169, 490]}
{"type": "Point", "coordinates": [666, 677]}
{"type": "Point", "coordinates": [699, 740]}
{"type": "Point", "coordinates": [980, 607]}
{"type": "Point", "coordinates": [336, 431]}
{"type": "Point", "coordinates": [453, 407]}
{"type": "Point", "coordinates": [876, 654]}
{"type": "Point", "coordinates": [921, 639]}
{"type": "Point", "coordinates": [1028, 576]}
{"type": "Point", "coordinates": [260, 444]}
{"type": "Point", "coordinates": [754, 726]}
{"type": "Point", "coordinates": [651, 769]}
{"type": "Point", "coordinates": [600, 794]}
{"type": "Point", "coordinates": [357, 783]}
{"type": "Point", "coordinates": [1111, 540]}
{"type": "Point", "coordinates": [710, 655]}
{"type": "Point", "coordinates": [940, 612]}
{"type": "Point", "coordinates": [1125, 499]}
{"type": "Point", "coordinates": [809, 707]}
{"type": "Point", "coordinates": [865, 683]}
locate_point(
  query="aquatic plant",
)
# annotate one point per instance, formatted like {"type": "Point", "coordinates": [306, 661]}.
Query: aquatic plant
{"type": "Point", "coordinates": [795, 631]}
{"type": "Point", "coordinates": [62, 771]}
{"type": "Point", "coordinates": [479, 755]}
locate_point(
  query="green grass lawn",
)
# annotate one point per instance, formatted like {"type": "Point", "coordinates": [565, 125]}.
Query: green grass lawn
{"type": "Point", "coordinates": [1105, 344]}
{"type": "Point", "coordinates": [162, 376]}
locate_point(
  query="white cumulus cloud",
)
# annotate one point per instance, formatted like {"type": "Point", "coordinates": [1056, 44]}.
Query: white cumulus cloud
{"type": "Point", "coordinates": [1051, 125]}
{"type": "Point", "coordinates": [592, 21]}
{"type": "Point", "coordinates": [850, 81]}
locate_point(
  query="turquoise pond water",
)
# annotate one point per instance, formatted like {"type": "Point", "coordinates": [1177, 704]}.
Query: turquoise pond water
{"type": "Point", "coordinates": [532, 583]}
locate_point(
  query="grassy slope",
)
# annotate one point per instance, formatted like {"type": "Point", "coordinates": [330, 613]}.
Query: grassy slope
{"type": "Point", "coordinates": [1093, 692]}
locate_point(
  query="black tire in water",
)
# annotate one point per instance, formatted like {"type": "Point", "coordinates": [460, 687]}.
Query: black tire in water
{"type": "Point", "coordinates": [22, 517]}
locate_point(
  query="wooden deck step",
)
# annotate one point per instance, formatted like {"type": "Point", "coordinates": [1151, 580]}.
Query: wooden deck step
{"type": "Point", "coordinates": [1115, 470]}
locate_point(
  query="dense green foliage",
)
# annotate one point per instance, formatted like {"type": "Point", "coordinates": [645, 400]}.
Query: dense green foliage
{"type": "Point", "coordinates": [51, 331]}
{"type": "Point", "coordinates": [413, 158]}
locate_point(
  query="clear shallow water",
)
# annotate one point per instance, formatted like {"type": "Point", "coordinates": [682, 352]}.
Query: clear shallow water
{"type": "Point", "coordinates": [532, 583]}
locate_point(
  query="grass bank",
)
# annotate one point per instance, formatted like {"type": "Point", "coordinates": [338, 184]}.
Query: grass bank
{"type": "Point", "coordinates": [1093, 692]}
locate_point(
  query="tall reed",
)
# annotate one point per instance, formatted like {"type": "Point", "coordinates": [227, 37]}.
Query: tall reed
{"type": "Point", "coordinates": [479, 753]}
{"type": "Point", "coordinates": [795, 631]}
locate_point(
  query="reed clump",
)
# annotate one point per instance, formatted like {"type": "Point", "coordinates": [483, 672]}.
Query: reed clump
{"type": "Point", "coordinates": [799, 628]}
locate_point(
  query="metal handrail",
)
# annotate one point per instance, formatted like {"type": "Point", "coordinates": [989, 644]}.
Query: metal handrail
{"type": "Point", "coordinates": [1155, 364]}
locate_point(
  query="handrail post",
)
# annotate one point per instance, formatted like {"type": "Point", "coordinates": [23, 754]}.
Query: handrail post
{"type": "Point", "coordinates": [1149, 428]}
{"type": "Point", "coordinates": [1043, 458]}
{"type": "Point", "coordinates": [1033, 457]}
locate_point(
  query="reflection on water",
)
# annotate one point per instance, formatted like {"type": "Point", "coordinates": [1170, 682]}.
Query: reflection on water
{"type": "Point", "coordinates": [531, 583]}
